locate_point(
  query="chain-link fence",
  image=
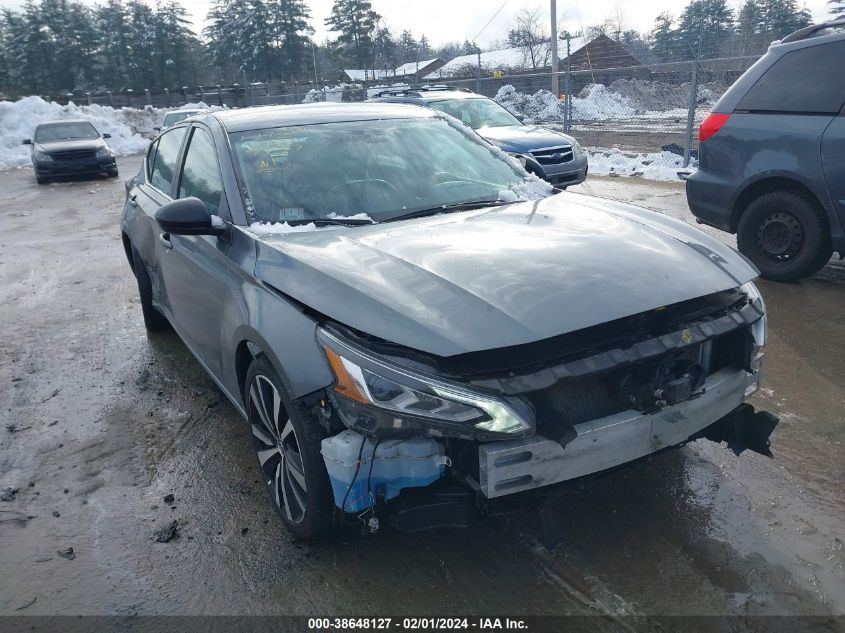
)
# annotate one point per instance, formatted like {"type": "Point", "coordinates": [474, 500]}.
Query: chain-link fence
{"type": "Point", "coordinates": [639, 119]}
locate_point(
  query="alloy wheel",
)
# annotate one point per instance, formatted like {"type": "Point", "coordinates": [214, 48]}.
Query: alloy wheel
{"type": "Point", "coordinates": [276, 445]}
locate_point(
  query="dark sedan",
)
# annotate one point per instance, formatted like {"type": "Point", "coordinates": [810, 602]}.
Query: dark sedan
{"type": "Point", "coordinates": [415, 327]}
{"type": "Point", "coordinates": [70, 148]}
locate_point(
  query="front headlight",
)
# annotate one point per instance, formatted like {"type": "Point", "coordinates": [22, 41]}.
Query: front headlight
{"type": "Point", "coordinates": [104, 152]}
{"type": "Point", "coordinates": [577, 150]}
{"type": "Point", "coordinates": [374, 396]}
{"type": "Point", "coordinates": [41, 155]}
{"type": "Point", "coordinates": [758, 329]}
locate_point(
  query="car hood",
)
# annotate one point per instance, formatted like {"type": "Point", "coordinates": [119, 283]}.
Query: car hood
{"type": "Point", "coordinates": [498, 277]}
{"type": "Point", "coordinates": [72, 144]}
{"type": "Point", "coordinates": [524, 138]}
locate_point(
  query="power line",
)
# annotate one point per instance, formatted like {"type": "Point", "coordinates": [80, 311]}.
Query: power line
{"type": "Point", "coordinates": [498, 11]}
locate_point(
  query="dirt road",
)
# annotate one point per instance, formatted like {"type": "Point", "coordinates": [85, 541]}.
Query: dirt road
{"type": "Point", "coordinates": [101, 424]}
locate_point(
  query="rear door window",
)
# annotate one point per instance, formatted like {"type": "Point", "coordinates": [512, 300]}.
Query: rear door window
{"type": "Point", "coordinates": [200, 172]}
{"type": "Point", "coordinates": [166, 156]}
{"type": "Point", "coordinates": [806, 81]}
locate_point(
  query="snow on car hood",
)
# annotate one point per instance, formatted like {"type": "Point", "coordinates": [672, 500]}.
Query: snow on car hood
{"type": "Point", "coordinates": [478, 280]}
{"type": "Point", "coordinates": [524, 138]}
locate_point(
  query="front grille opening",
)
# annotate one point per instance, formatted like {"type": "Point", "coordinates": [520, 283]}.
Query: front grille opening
{"type": "Point", "coordinates": [553, 155]}
{"type": "Point", "coordinates": [578, 400]}
{"type": "Point", "coordinates": [74, 154]}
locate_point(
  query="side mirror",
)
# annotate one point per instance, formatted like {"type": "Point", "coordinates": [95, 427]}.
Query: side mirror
{"type": "Point", "coordinates": [106, 135]}
{"type": "Point", "coordinates": [27, 141]}
{"type": "Point", "coordinates": [188, 216]}
{"type": "Point", "coordinates": [157, 128]}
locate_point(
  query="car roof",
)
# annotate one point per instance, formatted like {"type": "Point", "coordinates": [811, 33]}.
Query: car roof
{"type": "Point", "coordinates": [61, 121]}
{"type": "Point", "coordinates": [263, 117]}
{"type": "Point", "coordinates": [426, 96]}
{"type": "Point", "coordinates": [184, 111]}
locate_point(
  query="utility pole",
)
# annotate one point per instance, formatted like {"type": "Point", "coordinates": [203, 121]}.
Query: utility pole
{"type": "Point", "coordinates": [314, 59]}
{"type": "Point", "coordinates": [478, 71]}
{"type": "Point", "coordinates": [555, 83]}
{"type": "Point", "coordinates": [693, 97]}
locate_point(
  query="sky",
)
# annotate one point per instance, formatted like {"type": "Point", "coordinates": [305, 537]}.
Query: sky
{"type": "Point", "coordinates": [458, 20]}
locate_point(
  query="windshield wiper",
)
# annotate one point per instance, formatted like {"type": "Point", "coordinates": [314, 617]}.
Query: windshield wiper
{"type": "Point", "coordinates": [447, 208]}
{"type": "Point", "coordinates": [333, 221]}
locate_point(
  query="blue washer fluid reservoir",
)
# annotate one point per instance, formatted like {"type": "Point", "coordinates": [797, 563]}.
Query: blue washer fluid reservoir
{"type": "Point", "coordinates": [396, 464]}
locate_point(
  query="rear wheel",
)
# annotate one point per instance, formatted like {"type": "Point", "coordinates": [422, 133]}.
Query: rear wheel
{"type": "Point", "coordinates": [153, 319]}
{"type": "Point", "coordinates": [287, 443]}
{"type": "Point", "coordinates": [785, 235]}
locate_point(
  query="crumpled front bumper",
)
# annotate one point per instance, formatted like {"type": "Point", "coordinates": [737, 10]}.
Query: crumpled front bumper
{"type": "Point", "coordinates": [718, 414]}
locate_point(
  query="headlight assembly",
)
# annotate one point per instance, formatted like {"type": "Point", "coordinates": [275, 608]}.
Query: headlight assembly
{"type": "Point", "coordinates": [104, 152]}
{"type": "Point", "coordinates": [43, 156]}
{"type": "Point", "coordinates": [374, 396]}
{"type": "Point", "coordinates": [758, 329]}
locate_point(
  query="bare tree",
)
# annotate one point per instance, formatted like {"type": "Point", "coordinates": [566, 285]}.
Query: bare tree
{"type": "Point", "coordinates": [528, 31]}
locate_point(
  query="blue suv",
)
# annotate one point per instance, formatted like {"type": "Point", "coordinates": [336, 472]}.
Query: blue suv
{"type": "Point", "coordinates": [553, 156]}
{"type": "Point", "coordinates": [772, 156]}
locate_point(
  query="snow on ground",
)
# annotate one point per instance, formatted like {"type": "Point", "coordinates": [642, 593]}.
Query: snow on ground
{"type": "Point", "coordinates": [652, 166]}
{"type": "Point", "coordinates": [130, 128]}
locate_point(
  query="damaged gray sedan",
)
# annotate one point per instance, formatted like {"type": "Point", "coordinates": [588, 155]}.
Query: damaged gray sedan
{"type": "Point", "coordinates": [415, 329]}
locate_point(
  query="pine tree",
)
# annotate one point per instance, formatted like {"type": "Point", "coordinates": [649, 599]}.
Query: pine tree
{"type": "Point", "coordinates": [408, 47]}
{"type": "Point", "coordinates": [355, 22]}
{"type": "Point", "coordinates": [385, 51]}
{"type": "Point", "coordinates": [782, 17]}
{"type": "Point", "coordinates": [704, 26]}
{"type": "Point", "coordinates": [664, 39]}
{"type": "Point", "coordinates": [289, 19]}
{"type": "Point", "coordinates": [425, 50]}
{"type": "Point", "coordinates": [112, 22]}
{"type": "Point", "coordinates": [837, 7]}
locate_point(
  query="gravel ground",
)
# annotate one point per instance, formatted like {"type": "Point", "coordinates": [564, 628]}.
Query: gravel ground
{"type": "Point", "coordinates": [110, 436]}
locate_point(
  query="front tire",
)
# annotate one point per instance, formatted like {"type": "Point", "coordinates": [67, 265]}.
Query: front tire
{"type": "Point", "coordinates": [113, 173]}
{"type": "Point", "coordinates": [153, 319]}
{"type": "Point", "coordinates": [785, 235]}
{"type": "Point", "coordinates": [287, 443]}
{"type": "Point", "coordinates": [41, 180]}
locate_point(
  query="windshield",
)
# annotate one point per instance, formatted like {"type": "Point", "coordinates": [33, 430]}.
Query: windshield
{"type": "Point", "coordinates": [383, 169]}
{"type": "Point", "coordinates": [171, 118]}
{"type": "Point", "coordinates": [65, 131]}
{"type": "Point", "coordinates": [476, 113]}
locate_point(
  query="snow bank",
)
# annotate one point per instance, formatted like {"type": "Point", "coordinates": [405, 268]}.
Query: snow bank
{"type": "Point", "coordinates": [659, 96]}
{"type": "Point", "coordinates": [624, 98]}
{"type": "Point", "coordinates": [334, 93]}
{"type": "Point", "coordinates": [130, 128]}
{"type": "Point", "coordinates": [653, 166]}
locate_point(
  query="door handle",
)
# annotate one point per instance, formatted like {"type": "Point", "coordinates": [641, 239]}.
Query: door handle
{"type": "Point", "coordinates": [133, 200]}
{"type": "Point", "coordinates": [164, 238]}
